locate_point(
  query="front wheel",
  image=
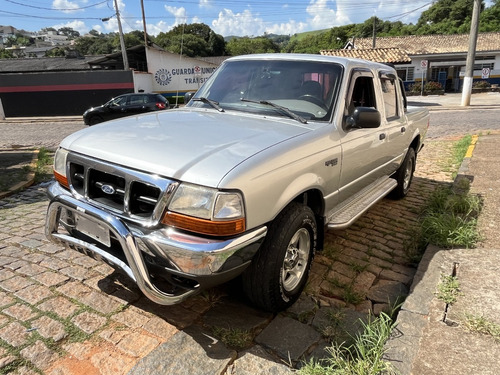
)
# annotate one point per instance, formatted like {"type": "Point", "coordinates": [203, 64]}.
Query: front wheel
{"type": "Point", "coordinates": [404, 175]}
{"type": "Point", "coordinates": [279, 271]}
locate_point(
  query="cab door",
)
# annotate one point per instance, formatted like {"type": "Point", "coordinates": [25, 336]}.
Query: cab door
{"type": "Point", "coordinates": [394, 121]}
{"type": "Point", "coordinates": [363, 151]}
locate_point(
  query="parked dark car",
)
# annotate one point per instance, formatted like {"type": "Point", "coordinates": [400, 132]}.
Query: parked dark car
{"type": "Point", "coordinates": [125, 105]}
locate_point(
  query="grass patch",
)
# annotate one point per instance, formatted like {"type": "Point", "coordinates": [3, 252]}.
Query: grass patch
{"type": "Point", "coordinates": [233, 338]}
{"type": "Point", "coordinates": [448, 289]}
{"type": "Point", "coordinates": [43, 168]}
{"type": "Point", "coordinates": [363, 357]}
{"type": "Point", "coordinates": [350, 296]}
{"type": "Point", "coordinates": [450, 219]}
{"type": "Point", "coordinates": [459, 151]}
{"type": "Point", "coordinates": [480, 324]}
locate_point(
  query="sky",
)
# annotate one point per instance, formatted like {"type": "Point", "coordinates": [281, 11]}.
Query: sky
{"type": "Point", "coordinates": [225, 17]}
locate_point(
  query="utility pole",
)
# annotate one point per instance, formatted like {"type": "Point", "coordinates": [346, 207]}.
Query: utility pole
{"type": "Point", "coordinates": [471, 55]}
{"type": "Point", "coordinates": [374, 32]}
{"type": "Point", "coordinates": [122, 41]}
{"type": "Point", "coordinates": [144, 24]}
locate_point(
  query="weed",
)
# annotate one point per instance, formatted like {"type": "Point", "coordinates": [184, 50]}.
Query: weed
{"type": "Point", "coordinates": [43, 168]}
{"type": "Point", "coordinates": [350, 296]}
{"type": "Point", "coordinates": [331, 252]}
{"type": "Point", "coordinates": [335, 318]}
{"type": "Point", "coordinates": [212, 296]}
{"type": "Point", "coordinates": [233, 337]}
{"type": "Point", "coordinates": [460, 149]}
{"type": "Point", "coordinates": [305, 316]}
{"type": "Point", "coordinates": [414, 247]}
{"type": "Point", "coordinates": [450, 219]}
{"type": "Point", "coordinates": [358, 268]}
{"type": "Point", "coordinates": [480, 324]}
{"type": "Point", "coordinates": [363, 357]}
{"type": "Point", "coordinates": [448, 289]}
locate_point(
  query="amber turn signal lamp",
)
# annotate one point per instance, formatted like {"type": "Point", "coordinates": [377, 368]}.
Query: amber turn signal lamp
{"type": "Point", "coordinates": [203, 226]}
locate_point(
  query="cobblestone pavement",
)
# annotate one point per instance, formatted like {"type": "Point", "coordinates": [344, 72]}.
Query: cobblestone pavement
{"type": "Point", "coordinates": [64, 313]}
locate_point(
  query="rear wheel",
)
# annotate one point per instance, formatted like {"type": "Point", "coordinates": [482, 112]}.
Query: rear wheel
{"type": "Point", "coordinates": [404, 175]}
{"type": "Point", "coordinates": [279, 271]}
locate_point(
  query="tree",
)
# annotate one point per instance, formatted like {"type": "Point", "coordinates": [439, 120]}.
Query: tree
{"type": "Point", "coordinates": [6, 54]}
{"type": "Point", "coordinates": [196, 39]}
{"type": "Point", "coordinates": [69, 32]}
{"type": "Point", "coordinates": [490, 18]}
{"type": "Point", "coordinates": [446, 17]}
{"type": "Point", "coordinates": [88, 45]}
{"type": "Point", "coordinates": [246, 45]}
{"type": "Point", "coordinates": [95, 33]}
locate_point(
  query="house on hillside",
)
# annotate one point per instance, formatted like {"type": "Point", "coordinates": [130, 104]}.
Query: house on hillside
{"type": "Point", "coordinates": [439, 58]}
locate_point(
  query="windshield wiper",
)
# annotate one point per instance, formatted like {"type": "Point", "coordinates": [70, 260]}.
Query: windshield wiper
{"type": "Point", "coordinates": [210, 102]}
{"type": "Point", "coordinates": [280, 107]}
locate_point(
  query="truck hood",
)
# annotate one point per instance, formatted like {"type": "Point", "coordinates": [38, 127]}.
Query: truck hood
{"type": "Point", "coordinates": [193, 145]}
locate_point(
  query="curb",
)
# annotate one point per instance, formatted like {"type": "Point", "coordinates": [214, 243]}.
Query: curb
{"type": "Point", "coordinates": [30, 178]}
{"type": "Point", "coordinates": [404, 344]}
{"type": "Point", "coordinates": [15, 120]}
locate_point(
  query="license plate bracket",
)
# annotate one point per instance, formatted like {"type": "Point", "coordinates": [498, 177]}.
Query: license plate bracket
{"type": "Point", "coordinates": [93, 229]}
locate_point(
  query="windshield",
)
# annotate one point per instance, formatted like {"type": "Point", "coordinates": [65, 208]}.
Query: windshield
{"type": "Point", "coordinates": [306, 88]}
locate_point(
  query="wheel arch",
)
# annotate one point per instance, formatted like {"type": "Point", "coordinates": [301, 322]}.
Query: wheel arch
{"type": "Point", "coordinates": [313, 198]}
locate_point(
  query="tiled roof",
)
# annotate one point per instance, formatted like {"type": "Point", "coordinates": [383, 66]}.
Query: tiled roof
{"type": "Point", "coordinates": [383, 55]}
{"type": "Point", "coordinates": [433, 44]}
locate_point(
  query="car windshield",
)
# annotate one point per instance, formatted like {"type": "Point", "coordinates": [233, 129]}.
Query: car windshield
{"type": "Point", "coordinates": [304, 88]}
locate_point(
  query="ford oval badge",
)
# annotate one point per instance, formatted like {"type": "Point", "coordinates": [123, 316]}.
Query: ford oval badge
{"type": "Point", "coordinates": [108, 189]}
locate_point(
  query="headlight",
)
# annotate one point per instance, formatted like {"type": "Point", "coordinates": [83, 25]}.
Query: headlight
{"type": "Point", "coordinates": [60, 167]}
{"type": "Point", "coordinates": [206, 210]}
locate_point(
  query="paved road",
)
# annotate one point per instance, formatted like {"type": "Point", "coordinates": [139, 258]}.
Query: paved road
{"type": "Point", "coordinates": [459, 122]}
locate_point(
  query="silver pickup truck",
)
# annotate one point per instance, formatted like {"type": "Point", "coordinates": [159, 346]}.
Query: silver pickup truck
{"type": "Point", "coordinates": [244, 180]}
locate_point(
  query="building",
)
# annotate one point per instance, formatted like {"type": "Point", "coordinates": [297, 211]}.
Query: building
{"type": "Point", "coordinates": [68, 86]}
{"type": "Point", "coordinates": [439, 58]}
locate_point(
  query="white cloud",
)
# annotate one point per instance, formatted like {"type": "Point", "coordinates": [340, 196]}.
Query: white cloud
{"type": "Point", "coordinates": [180, 14]}
{"type": "Point", "coordinates": [205, 3]}
{"type": "Point", "coordinates": [66, 6]}
{"type": "Point", "coordinates": [240, 24]}
{"type": "Point", "coordinates": [75, 25]}
{"type": "Point", "coordinates": [159, 27]}
{"type": "Point", "coordinates": [323, 14]}
{"type": "Point", "coordinates": [289, 28]}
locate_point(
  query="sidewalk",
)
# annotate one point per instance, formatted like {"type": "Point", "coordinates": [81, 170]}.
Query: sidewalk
{"type": "Point", "coordinates": [453, 101]}
{"type": "Point", "coordinates": [431, 337]}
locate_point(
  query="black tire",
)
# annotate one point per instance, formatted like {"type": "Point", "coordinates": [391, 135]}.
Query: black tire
{"type": "Point", "coordinates": [95, 120]}
{"type": "Point", "coordinates": [404, 175]}
{"type": "Point", "coordinates": [279, 271]}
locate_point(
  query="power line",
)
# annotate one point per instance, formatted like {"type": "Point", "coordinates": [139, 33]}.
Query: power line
{"type": "Point", "coordinates": [56, 9]}
{"type": "Point", "coordinates": [49, 18]}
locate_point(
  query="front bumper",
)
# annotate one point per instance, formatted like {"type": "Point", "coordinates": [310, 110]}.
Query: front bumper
{"type": "Point", "coordinates": [167, 265]}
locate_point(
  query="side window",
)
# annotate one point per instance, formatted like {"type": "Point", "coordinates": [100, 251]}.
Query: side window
{"type": "Point", "coordinates": [362, 94]}
{"type": "Point", "coordinates": [118, 101]}
{"type": "Point", "coordinates": [389, 94]}
{"type": "Point", "coordinates": [136, 100]}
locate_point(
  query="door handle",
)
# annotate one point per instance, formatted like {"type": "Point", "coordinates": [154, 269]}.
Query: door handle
{"type": "Point", "coordinates": [381, 136]}
{"type": "Point", "coordinates": [403, 130]}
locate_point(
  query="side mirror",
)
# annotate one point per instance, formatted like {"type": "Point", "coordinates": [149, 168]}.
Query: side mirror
{"type": "Point", "coordinates": [364, 117]}
{"type": "Point", "coordinates": [188, 96]}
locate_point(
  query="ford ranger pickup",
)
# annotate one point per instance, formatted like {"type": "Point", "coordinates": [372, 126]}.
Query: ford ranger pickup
{"type": "Point", "coordinates": [243, 181]}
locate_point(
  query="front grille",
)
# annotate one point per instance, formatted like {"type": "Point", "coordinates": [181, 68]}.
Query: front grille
{"type": "Point", "coordinates": [129, 193]}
